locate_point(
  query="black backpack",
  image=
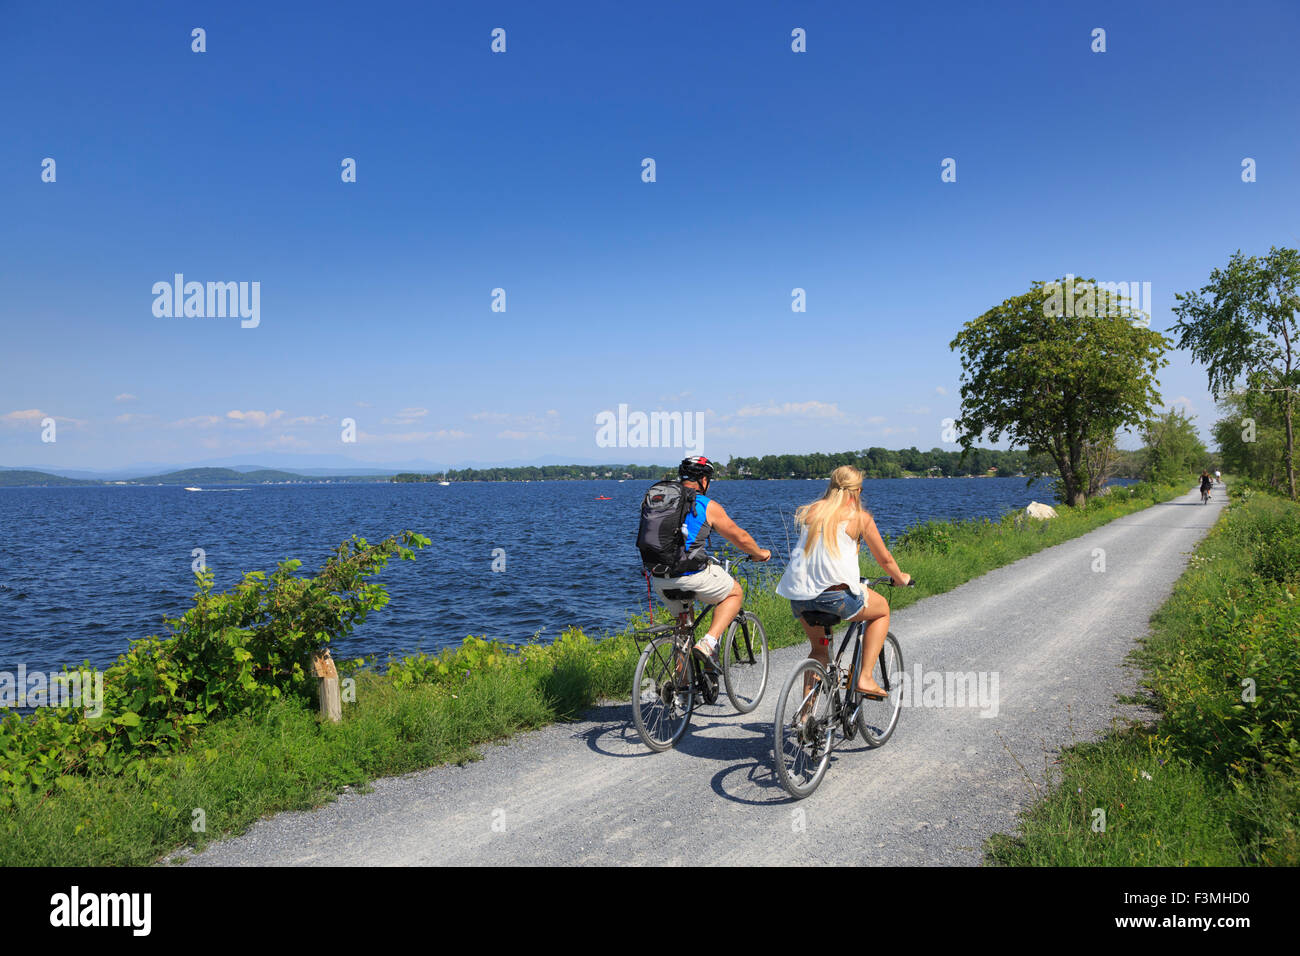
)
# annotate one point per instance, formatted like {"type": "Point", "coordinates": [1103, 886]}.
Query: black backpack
{"type": "Point", "coordinates": [661, 538]}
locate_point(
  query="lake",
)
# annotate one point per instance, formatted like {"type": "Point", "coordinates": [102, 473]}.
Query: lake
{"type": "Point", "coordinates": [87, 569]}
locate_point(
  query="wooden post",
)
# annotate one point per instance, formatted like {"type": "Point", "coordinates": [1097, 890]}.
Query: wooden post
{"type": "Point", "coordinates": [331, 704]}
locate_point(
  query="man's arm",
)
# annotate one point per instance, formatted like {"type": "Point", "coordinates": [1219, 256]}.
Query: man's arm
{"type": "Point", "coordinates": [721, 522]}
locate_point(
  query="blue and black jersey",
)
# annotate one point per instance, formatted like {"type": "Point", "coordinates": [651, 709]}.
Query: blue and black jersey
{"type": "Point", "coordinates": [696, 528]}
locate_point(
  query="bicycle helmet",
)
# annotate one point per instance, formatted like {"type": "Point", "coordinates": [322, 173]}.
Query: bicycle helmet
{"type": "Point", "coordinates": [695, 468]}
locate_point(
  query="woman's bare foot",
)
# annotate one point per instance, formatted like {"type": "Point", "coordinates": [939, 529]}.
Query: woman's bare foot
{"type": "Point", "coordinates": [870, 688]}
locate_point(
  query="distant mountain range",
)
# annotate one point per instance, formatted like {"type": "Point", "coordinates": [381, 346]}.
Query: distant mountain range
{"type": "Point", "coordinates": [190, 476]}
{"type": "Point", "coordinates": [330, 467]}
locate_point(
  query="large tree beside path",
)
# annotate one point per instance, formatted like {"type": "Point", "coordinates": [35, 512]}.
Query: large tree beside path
{"type": "Point", "coordinates": [1059, 370]}
{"type": "Point", "coordinates": [1243, 326]}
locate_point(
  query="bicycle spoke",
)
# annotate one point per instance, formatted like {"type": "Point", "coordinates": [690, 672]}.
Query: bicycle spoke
{"type": "Point", "coordinates": [878, 718]}
{"type": "Point", "coordinates": [803, 729]}
{"type": "Point", "coordinates": [662, 706]}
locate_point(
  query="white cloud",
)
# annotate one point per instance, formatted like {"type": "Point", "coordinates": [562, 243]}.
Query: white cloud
{"type": "Point", "coordinates": [27, 416]}
{"type": "Point", "coordinates": [34, 416]}
{"type": "Point", "coordinates": [198, 421]}
{"type": "Point", "coordinates": [876, 420]}
{"type": "Point", "coordinates": [407, 416]}
{"type": "Point", "coordinates": [537, 435]}
{"type": "Point", "coordinates": [916, 409]}
{"type": "Point", "coordinates": [812, 409]}
{"type": "Point", "coordinates": [258, 418]}
{"type": "Point", "coordinates": [125, 397]}
{"type": "Point", "coordinates": [940, 390]}
{"type": "Point", "coordinates": [309, 420]}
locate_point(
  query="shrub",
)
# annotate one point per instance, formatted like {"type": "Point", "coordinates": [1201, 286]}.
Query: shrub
{"type": "Point", "coordinates": [230, 654]}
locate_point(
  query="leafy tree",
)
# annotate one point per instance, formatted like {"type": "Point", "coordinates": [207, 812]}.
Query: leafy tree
{"type": "Point", "coordinates": [1174, 451]}
{"type": "Point", "coordinates": [1243, 325]}
{"type": "Point", "coordinates": [1251, 437]}
{"type": "Point", "coordinates": [1100, 462]}
{"type": "Point", "coordinates": [1056, 376]}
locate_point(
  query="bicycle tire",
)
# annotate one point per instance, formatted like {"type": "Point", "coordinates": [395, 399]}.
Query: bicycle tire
{"type": "Point", "coordinates": [802, 752]}
{"type": "Point", "coordinates": [878, 719]}
{"type": "Point", "coordinates": [662, 701]}
{"type": "Point", "coordinates": [744, 661]}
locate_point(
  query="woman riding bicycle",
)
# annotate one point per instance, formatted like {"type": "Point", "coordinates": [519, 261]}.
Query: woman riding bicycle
{"type": "Point", "coordinates": [1206, 484]}
{"type": "Point", "coordinates": [823, 572]}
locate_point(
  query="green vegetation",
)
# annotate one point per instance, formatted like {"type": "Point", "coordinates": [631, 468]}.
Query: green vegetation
{"type": "Point", "coordinates": [1173, 450]}
{"type": "Point", "coordinates": [545, 473]}
{"type": "Point", "coordinates": [1244, 326]}
{"type": "Point", "coordinates": [1059, 376]}
{"type": "Point", "coordinates": [219, 717]}
{"type": "Point", "coordinates": [1216, 780]}
{"type": "Point", "coordinates": [883, 463]}
{"type": "Point", "coordinates": [1251, 437]}
{"type": "Point", "coordinates": [20, 478]}
{"type": "Point", "coordinates": [228, 476]}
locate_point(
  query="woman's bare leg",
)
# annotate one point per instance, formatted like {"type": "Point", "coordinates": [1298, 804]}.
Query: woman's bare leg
{"type": "Point", "coordinates": [876, 613]}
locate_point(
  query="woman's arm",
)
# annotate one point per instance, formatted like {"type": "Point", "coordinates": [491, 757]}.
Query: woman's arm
{"type": "Point", "coordinates": [876, 545]}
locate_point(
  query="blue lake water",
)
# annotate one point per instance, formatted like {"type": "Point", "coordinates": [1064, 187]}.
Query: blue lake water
{"type": "Point", "coordinates": [87, 569]}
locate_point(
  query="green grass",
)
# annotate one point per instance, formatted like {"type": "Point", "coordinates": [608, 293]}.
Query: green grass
{"type": "Point", "coordinates": [1215, 781]}
{"type": "Point", "coordinates": [425, 711]}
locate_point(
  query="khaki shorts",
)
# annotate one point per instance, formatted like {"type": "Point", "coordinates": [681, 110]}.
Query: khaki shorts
{"type": "Point", "coordinates": [711, 585]}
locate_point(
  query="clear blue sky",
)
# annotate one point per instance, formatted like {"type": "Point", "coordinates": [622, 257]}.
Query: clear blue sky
{"type": "Point", "coordinates": [522, 170]}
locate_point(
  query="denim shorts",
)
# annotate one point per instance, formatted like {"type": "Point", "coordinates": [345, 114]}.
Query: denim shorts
{"type": "Point", "coordinates": [843, 604]}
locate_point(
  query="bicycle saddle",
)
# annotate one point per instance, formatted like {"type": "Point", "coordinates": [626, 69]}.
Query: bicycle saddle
{"type": "Point", "coordinates": [820, 618]}
{"type": "Point", "coordinates": [679, 594]}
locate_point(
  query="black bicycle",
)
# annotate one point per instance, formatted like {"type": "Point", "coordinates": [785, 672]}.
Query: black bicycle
{"type": "Point", "coordinates": [819, 702]}
{"type": "Point", "coordinates": [671, 676]}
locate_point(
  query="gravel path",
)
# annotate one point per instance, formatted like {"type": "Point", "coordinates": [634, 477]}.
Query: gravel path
{"type": "Point", "coordinates": [1053, 631]}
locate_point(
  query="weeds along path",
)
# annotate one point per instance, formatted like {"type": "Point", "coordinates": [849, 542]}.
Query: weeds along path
{"type": "Point", "coordinates": [1049, 633]}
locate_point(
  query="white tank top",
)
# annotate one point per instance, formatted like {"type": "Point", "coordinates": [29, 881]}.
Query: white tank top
{"type": "Point", "coordinates": [808, 575]}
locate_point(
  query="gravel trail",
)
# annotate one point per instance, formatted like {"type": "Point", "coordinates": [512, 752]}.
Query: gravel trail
{"type": "Point", "coordinates": [1053, 631]}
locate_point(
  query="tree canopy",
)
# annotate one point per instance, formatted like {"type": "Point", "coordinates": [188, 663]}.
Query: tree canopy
{"type": "Point", "coordinates": [1056, 373]}
{"type": "Point", "coordinates": [1242, 326]}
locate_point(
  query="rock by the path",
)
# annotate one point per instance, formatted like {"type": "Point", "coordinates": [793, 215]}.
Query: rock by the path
{"type": "Point", "coordinates": [1039, 510]}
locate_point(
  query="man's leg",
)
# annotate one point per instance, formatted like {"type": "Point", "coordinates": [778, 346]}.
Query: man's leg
{"type": "Point", "coordinates": [723, 614]}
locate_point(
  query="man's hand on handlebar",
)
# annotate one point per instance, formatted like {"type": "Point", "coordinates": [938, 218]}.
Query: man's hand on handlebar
{"type": "Point", "coordinates": [763, 555]}
{"type": "Point", "coordinates": [905, 583]}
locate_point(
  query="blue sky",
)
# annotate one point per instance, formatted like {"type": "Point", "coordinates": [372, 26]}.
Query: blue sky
{"type": "Point", "coordinates": [522, 171]}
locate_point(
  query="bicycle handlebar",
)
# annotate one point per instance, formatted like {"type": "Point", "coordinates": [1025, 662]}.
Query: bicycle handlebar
{"type": "Point", "coordinates": [874, 582]}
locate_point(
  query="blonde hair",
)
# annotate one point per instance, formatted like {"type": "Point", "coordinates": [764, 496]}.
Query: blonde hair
{"type": "Point", "coordinates": [822, 517]}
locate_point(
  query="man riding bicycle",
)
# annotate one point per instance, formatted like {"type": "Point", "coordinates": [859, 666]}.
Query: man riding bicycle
{"type": "Point", "coordinates": [711, 584]}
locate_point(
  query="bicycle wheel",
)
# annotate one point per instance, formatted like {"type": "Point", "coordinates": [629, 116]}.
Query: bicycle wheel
{"type": "Point", "coordinates": [804, 729]}
{"type": "Point", "coordinates": [744, 661]}
{"type": "Point", "coordinates": [877, 719]}
{"type": "Point", "coordinates": [662, 693]}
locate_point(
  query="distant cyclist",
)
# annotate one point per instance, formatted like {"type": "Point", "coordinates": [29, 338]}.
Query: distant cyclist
{"type": "Point", "coordinates": [823, 573]}
{"type": "Point", "coordinates": [1206, 484]}
{"type": "Point", "coordinates": [1218, 479]}
{"type": "Point", "coordinates": [710, 583]}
